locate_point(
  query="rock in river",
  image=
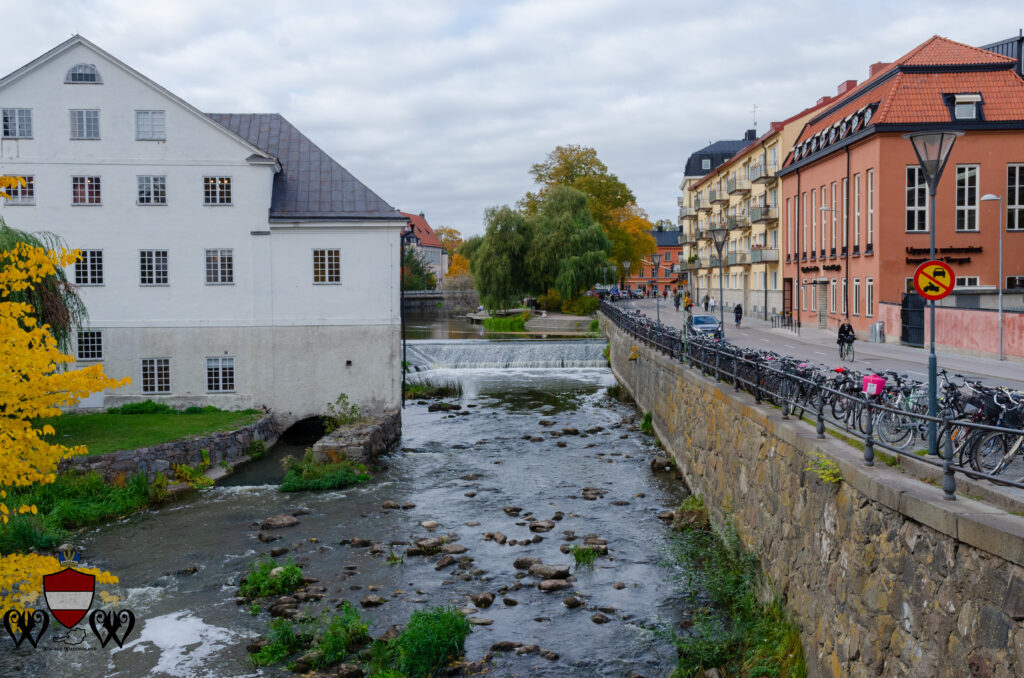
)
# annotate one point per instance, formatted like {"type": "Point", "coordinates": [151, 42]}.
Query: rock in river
{"type": "Point", "coordinates": [549, 585]}
{"type": "Point", "coordinates": [372, 600]}
{"type": "Point", "coordinates": [599, 618]}
{"type": "Point", "coordinates": [279, 521]}
{"type": "Point", "coordinates": [483, 600]}
{"type": "Point", "coordinates": [549, 571]}
{"type": "Point", "coordinates": [526, 562]}
{"type": "Point", "coordinates": [542, 526]}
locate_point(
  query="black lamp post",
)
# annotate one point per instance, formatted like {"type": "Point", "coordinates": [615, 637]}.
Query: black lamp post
{"type": "Point", "coordinates": [720, 236]}
{"type": "Point", "coordinates": [656, 260]}
{"type": "Point", "coordinates": [625, 281]}
{"type": "Point", "coordinates": [932, 149]}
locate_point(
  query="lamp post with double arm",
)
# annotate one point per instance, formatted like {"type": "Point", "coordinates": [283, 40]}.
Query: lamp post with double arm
{"type": "Point", "coordinates": [988, 197]}
{"type": "Point", "coordinates": [932, 150]}
{"type": "Point", "coordinates": [656, 261]}
{"type": "Point", "coordinates": [720, 236]}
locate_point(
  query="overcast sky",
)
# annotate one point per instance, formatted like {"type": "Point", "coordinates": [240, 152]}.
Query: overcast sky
{"type": "Point", "coordinates": [441, 107]}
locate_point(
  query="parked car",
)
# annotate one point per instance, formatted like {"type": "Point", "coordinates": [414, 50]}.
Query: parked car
{"type": "Point", "coordinates": [703, 325]}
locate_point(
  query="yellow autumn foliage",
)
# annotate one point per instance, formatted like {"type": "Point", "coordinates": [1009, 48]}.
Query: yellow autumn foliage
{"type": "Point", "coordinates": [457, 265]}
{"type": "Point", "coordinates": [34, 382]}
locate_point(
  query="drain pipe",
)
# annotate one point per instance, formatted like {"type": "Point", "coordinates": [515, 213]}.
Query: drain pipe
{"type": "Point", "coordinates": [846, 237]}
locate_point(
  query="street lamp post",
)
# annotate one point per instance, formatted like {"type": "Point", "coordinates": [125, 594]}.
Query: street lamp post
{"type": "Point", "coordinates": [932, 150]}
{"type": "Point", "coordinates": [720, 236]}
{"type": "Point", "coordinates": [989, 197]}
{"type": "Point", "coordinates": [625, 281]}
{"type": "Point", "coordinates": [656, 260]}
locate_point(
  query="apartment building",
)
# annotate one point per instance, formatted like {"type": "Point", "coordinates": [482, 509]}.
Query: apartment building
{"type": "Point", "coordinates": [857, 206]}
{"type": "Point", "coordinates": [226, 259]}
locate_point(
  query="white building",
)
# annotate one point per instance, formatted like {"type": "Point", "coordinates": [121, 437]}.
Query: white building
{"type": "Point", "coordinates": [427, 244]}
{"type": "Point", "coordinates": [228, 260]}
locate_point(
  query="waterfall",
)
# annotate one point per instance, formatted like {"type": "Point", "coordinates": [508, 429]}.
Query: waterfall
{"type": "Point", "coordinates": [467, 354]}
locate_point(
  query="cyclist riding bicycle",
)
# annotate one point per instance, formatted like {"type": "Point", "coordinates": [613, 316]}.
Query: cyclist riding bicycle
{"type": "Point", "coordinates": [846, 333]}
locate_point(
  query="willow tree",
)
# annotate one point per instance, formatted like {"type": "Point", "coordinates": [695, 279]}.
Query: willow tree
{"type": "Point", "coordinates": [569, 250]}
{"type": "Point", "coordinates": [498, 259]}
{"type": "Point", "coordinates": [53, 299]}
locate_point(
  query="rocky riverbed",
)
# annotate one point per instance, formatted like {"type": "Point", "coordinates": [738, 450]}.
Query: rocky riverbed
{"type": "Point", "coordinates": [479, 508]}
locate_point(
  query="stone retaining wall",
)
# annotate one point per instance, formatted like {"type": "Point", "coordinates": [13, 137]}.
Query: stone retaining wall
{"type": "Point", "coordinates": [362, 442]}
{"type": "Point", "coordinates": [229, 446]}
{"type": "Point", "coordinates": [883, 576]}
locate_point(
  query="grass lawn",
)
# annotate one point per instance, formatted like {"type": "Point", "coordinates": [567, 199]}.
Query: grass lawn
{"type": "Point", "coordinates": [104, 432]}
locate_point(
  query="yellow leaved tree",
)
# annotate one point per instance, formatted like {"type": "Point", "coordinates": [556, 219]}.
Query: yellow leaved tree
{"type": "Point", "coordinates": [34, 382]}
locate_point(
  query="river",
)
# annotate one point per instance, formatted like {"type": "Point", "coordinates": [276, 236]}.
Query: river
{"type": "Point", "coordinates": [179, 565]}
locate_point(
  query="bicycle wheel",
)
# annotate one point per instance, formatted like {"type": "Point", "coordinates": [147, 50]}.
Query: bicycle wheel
{"type": "Point", "coordinates": [895, 429]}
{"type": "Point", "coordinates": [849, 351]}
{"type": "Point", "coordinates": [988, 451]}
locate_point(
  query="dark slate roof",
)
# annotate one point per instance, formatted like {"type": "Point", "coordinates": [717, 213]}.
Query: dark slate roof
{"type": "Point", "coordinates": [666, 238]}
{"type": "Point", "coordinates": [718, 152]}
{"type": "Point", "coordinates": [311, 185]}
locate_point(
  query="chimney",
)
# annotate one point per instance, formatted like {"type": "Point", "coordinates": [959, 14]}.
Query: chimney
{"type": "Point", "coordinates": [845, 87]}
{"type": "Point", "coordinates": [877, 68]}
{"type": "Point", "coordinates": [823, 100]}
{"type": "Point", "coordinates": [750, 135]}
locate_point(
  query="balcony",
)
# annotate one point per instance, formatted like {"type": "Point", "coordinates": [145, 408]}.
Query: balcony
{"type": "Point", "coordinates": [737, 187]}
{"type": "Point", "coordinates": [718, 197]}
{"type": "Point", "coordinates": [687, 213]}
{"type": "Point", "coordinates": [763, 174]}
{"type": "Point", "coordinates": [739, 222]}
{"type": "Point", "coordinates": [737, 259]}
{"type": "Point", "coordinates": [702, 206]}
{"type": "Point", "coordinates": [763, 255]}
{"type": "Point", "coordinates": [709, 262]}
{"type": "Point", "coordinates": [687, 237]}
{"type": "Point", "coordinates": [681, 201]}
{"type": "Point", "coordinates": [689, 265]}
{"type": "Point", "coordinates": [764, 214]}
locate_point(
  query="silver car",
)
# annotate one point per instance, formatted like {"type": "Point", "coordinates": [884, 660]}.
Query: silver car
{"type": "Point", "coordinates": [703, 325]}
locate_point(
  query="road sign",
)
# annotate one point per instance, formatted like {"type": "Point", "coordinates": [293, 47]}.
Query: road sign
{"type": "Point", "coordinates": [934, 280]}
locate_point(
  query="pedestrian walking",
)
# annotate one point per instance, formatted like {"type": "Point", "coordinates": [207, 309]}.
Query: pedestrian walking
{"type": "Point", "coordinates": [737, 313]}
{"type": "Point", "coordinates": [677, 299]}
{"type": "Point", "coordinates": [706, 299]}
{"type": "Point", "coordinates": [712, 304]}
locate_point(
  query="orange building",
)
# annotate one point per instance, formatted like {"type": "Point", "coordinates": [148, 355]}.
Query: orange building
{"type": "Point", "coordinates": [666, 278]}
{"type": "Point", "coordinates": [856, 204]}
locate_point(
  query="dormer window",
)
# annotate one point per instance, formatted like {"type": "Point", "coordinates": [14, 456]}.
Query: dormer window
{"type": "Point", "coordinates": [83, 74]}
{"type": "Point", "coordinates": [965, 106]}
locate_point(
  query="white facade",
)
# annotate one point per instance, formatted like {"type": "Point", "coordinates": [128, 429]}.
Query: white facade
{"type": "Point", "coordinates": [240, 281]}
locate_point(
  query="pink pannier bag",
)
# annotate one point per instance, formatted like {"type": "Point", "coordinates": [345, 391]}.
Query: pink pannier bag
{"type": "Point", "coordinates": [873, 384]}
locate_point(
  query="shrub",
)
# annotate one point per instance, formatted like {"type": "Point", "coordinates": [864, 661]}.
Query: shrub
{"type": "Point", "coordinates": [145, 407]}
{"type": "Point", "coordinates": [310, 475]}
{"type": "Point", "coordinates": [429, 640]}
{"type": "Point", "coordinates": [286, 637]}
{"type": "Point", "coordinates": [341, 413]}
{"type": "Point", "coordinates": [265, 579]}
{"type": "Point", "coordinates": [342, 634]}
{"type": "Point", "coordinates": [581, 306]}
{"type": "Point", "coordinates": [646, 425]}
{"type": "Point", "coordinates": [515, 323]}
{"type": "Point", "coordinates": [256, 449]}
{"type": "Point", "coordinates": [429, 388]}
{"type": "Point", "coordinates": [583, 555]}
{"type": "Point", "coordinates": [551, 302]}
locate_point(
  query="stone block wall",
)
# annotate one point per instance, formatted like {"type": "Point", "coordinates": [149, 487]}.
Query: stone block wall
{"type": "Point", "coordinates": [883, 576]}
{"type": "Point", "coordinates": [362, 442]}
{"type": "Point", "coordinates": [229, 446]}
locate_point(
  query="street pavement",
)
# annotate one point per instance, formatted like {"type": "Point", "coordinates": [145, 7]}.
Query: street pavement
{"type": "Point", "coordinates": [819, 347]}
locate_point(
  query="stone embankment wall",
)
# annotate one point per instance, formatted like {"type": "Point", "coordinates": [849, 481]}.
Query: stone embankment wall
{"type": "Point", "coordinates": [883, 576]}
{"type": "Point", "coordinates": [230, 447]}
{"type": "Point", "coordinates": [362, 442]}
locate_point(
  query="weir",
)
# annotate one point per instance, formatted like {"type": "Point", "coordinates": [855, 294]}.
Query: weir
{"type": "Point", "coordinates": [429, 355]}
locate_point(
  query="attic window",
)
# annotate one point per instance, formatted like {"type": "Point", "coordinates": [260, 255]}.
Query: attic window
{"type": "Point", "coordinates": [83, 73]}
{"type": "Point", "coordinates": [965, 106]}
{"type": "Point", "coordinates": [705, 163]}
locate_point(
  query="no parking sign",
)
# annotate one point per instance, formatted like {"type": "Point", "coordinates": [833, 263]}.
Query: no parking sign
{"type": "Point", "coordinates": [934, 280]}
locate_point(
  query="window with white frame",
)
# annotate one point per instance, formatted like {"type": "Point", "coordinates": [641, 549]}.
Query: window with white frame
{"type": "Point", "coordinates": [220, 267]}
{"type": "Point", "coordinates": [846, 213]}
{"type": "Point", "coordinates": [775, 280]}
{"type": "Point", "coordinates": [220, 375]}
{"type": "Point", "coordinates": [1015, 282]}
{"type": "Point", "coordinates": [856, 296]}
{"type": "Point", "coordinates": [89, 345]}
{"type": "Point", "coordinates": [156, 375]}
{"type": "Point", "coordinates": [803, 297]}
{"type": "Point", "coordinates": [856, 212]}
{"type": "Point", "coordinates": [83, 74]}
{"type": "Point", "coordinates": [216, 190]}
{"type": "Point", "coordinates": [834, 215]}
{"type": "Point", "coordinates": [832, 289]}
{"type": "Point", "coordinates": [965, 106]}
{"type": "Point", "coordinates": [327, 267]}
{"type": "Point", "coordinates": [814, 223]}
{"type": "Point", "coordinates": [870, 237]}
{"type": "Point", "coordinates": [89, 268]}
{"type": "Point", "coordinates": [17, 123]}
{"type": "Point", "coordinates": [85, 191]}
{"type": "Point", "coordinates": [917, 201]}
{"type": "Point", "coordinates": [23, 194]}
{"type": "Point", "coordinates": [842, 300]}
{"type": "Point", "coordinates": [150, 126]}
{"type": "Point", "coordinates": [967, 281]}
{"type": "Point", "coordinates": [1015, 197]}
{"type": "Point", "coordinates": [85, 124]}
{"type": "Point", "coordinates": [790, 247]}
{"type": "Point", "coordinates": [824, 223]}
{"type": "Point", "coordinates": [705, 163]}
{"type": "Point", "coordinates": [803, 243]}
{"type": "Point", "coordinates": [153, 267]}
{"type": "Point", "coordinates": [967, 198]}
{"type": "Point", "coordinates": [869, 297]}
{"type": "Point", "coordinates": [152, 190]}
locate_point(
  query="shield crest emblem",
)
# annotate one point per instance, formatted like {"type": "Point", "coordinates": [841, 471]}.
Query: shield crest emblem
{"type": "Point", "coordinates": [69, 595]}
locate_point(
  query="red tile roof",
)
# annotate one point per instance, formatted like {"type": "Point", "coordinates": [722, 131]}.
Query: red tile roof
{"type": "Point", "coordinates": [422, 230]}
{"type": "Point", "coordinates": [912, 96]}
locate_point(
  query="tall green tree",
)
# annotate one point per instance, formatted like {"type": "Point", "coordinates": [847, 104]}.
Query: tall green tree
{"type": "Point", "coordinates": [497, 260]}
{"type": "Point", "coordinates": [569, 249]}
{"type": "Point", "coordinates": [418, 275]}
